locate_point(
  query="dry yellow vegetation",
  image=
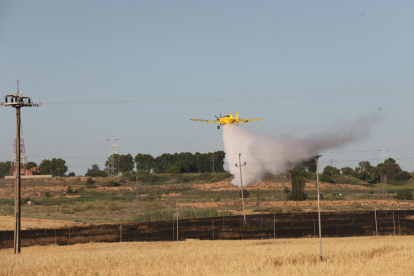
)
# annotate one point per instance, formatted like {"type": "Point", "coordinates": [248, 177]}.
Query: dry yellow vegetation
{"type": "Point", "coordinates": [342, 256]}
{"type": "Point", "coordinates": [7, 223]}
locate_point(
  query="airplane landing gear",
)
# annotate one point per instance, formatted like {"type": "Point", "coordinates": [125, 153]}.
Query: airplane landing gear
{"type": "Point", "coordinates": [218, 127]}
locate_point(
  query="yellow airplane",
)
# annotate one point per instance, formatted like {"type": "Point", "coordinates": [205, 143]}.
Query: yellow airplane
{"type": "Point", "coordinates": [227, 119]}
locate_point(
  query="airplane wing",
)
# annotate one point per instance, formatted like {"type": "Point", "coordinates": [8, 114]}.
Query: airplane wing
{"type": "Point", "coordinates": [216, 122]}
{"type": "Point", "coordinates": [248, 120]}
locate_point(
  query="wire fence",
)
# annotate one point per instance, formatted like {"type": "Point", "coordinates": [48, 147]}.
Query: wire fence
{"type": "Point", "coordinates": [262, 226]}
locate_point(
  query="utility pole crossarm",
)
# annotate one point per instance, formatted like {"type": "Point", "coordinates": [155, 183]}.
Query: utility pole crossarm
{"type": "Point", "coordinates": [17, 101]}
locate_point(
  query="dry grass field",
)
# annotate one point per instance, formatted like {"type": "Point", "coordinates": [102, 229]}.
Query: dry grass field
{"type": "Point", "coordinates": [7, 223]}
{"type": "Point", "coordinates": [342, 256]}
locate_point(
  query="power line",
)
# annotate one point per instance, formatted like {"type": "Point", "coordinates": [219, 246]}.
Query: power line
{"type": "Point", "coordinates": [231, 99]}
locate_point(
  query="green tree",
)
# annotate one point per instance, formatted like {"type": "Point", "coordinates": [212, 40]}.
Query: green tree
{"type": "Point", "coordinates": [161, 162]}
{"type": "Point", "coordinates": [55, 167]}
{"type": "Point", "coordinates": [124, 162]}
{"type": "Point", "coordinates": [347, 171]}
{"type": "Point", "coordinates": [30, 165]}
{"type": "Point", "coordinates": [95, 172]}
{"type": "Point", "coordinates": [144, 161]}
{"type": "Point", "coordinates": [298, 180]}
{"type": "Point", "coordinates": [329, 170]}
{"type": "Point", "coordinates": [174, 169]}
{"type": "Point", "coordinates": [404, 194]}
{"type": "Point", "coordinates": [365, 171]}
{"type": "Point", "coordinates": [402, 176]}
{"type": "Point", "coordinates": [5, 168]}
{"type": "Point", "coordinates": [309, 165]}
{"type": "Point", "coordinates": [389, 168]}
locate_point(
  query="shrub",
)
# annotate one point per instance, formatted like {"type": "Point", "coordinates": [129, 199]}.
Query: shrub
{"type": "Point", "coordinates": [293, 209]}
{"type": "Point", "coordinates": [286, 190]}
{"type": "Point", "coordinates": [131, 176]}
{"type": "Point", "coordinates": [325, 178]}
{"type": "Point", "coordinates": [88, 206]}
{"type": "Point", "coordinates": [145, 176]}
{"type": "Point", "coordinates": [81, 190]}
{"type": "Point", "coordinates": [246, 193]}
{"type": "Point", "coordinates": [89, 182]}
{"type": "Point", "coordinates": [173, 169]}
{"type": "Point", "coordinates": [297, 196]}
{"type": "Point", "coordinates": [205, 213]}
{"type": "Point", "coordinates": [47, 194]}
{"type": "Point", "coordinates": [112, 206]}
{"type": "Point", "coordinates": [401, 176]}
{"type": "Point", "coordinates": [64, 209]}
{"type": "Point", "coordinates": [404, 194]}
{"type": "Point", "coordinates": [69, 190]}
{"type": "Point", "coordinates": [112, 183]}
{"type": "Point", "coordinates": [276, 210]}
{"type": "Point", "coordinates": [156, 215]}
{"type": "Point", "coordinates": [225, 213]}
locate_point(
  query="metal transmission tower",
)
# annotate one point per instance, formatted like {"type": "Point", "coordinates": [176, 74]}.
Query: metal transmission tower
{"type": "Point", "coordinates": [382, 155]}
{"type": "Point", "coordinates": [112, 167]}
{"type": "Point", "coordinates": [17, 101]}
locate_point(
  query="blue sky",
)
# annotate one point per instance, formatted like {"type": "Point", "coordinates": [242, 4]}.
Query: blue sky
{"type": "Point", "coordinates": [67, 51]}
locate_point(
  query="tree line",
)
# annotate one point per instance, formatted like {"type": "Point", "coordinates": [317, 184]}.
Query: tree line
{"type": "Point", "coordinates": [54, 167]}
{"type": "Point", "coordinates": [389, 170]}
{"type": "Point", "coordinates": [184, 162]}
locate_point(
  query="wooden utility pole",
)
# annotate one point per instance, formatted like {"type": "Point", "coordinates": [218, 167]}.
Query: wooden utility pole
{"type": "Point", "coordinates": [241, 185]}
{"type": "Point", "coordinates": [319, 205]}
{"type": "Point", "coordinates": [17, 210]}
{"type": "Point", "coordinates": [17, 101]}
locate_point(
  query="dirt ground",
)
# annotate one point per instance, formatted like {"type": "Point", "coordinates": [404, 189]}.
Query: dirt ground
{"type": "Point", "coordinates": [7, 223]}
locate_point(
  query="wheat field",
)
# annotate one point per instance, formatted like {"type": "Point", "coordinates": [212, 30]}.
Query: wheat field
{"type": "Point", "coordinates": [342, 256]}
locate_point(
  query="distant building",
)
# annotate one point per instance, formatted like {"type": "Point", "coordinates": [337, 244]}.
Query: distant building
{"type": "Point", "coordinates": [25, 171]}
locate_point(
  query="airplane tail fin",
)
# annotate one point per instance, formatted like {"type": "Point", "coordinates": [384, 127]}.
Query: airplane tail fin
{"type": "Point", "coordinates": [237, 115]}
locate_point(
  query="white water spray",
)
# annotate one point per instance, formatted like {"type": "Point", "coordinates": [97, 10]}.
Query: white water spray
{"type": "Point", "coordinates": [266, 154]}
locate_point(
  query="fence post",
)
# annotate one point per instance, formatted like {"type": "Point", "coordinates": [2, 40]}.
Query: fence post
{"type": "Point", "coordinates": [54, 227]}
{"type": "Point", "coordinates": [393, 221]}
{"type": "Point", "coordinates": [212, 226]}
{"type": "Point", "coordinates": [376, 223]}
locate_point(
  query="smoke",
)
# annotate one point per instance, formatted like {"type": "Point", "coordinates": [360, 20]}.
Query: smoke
{"type": "Point", "coordinates": [266, 154]}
